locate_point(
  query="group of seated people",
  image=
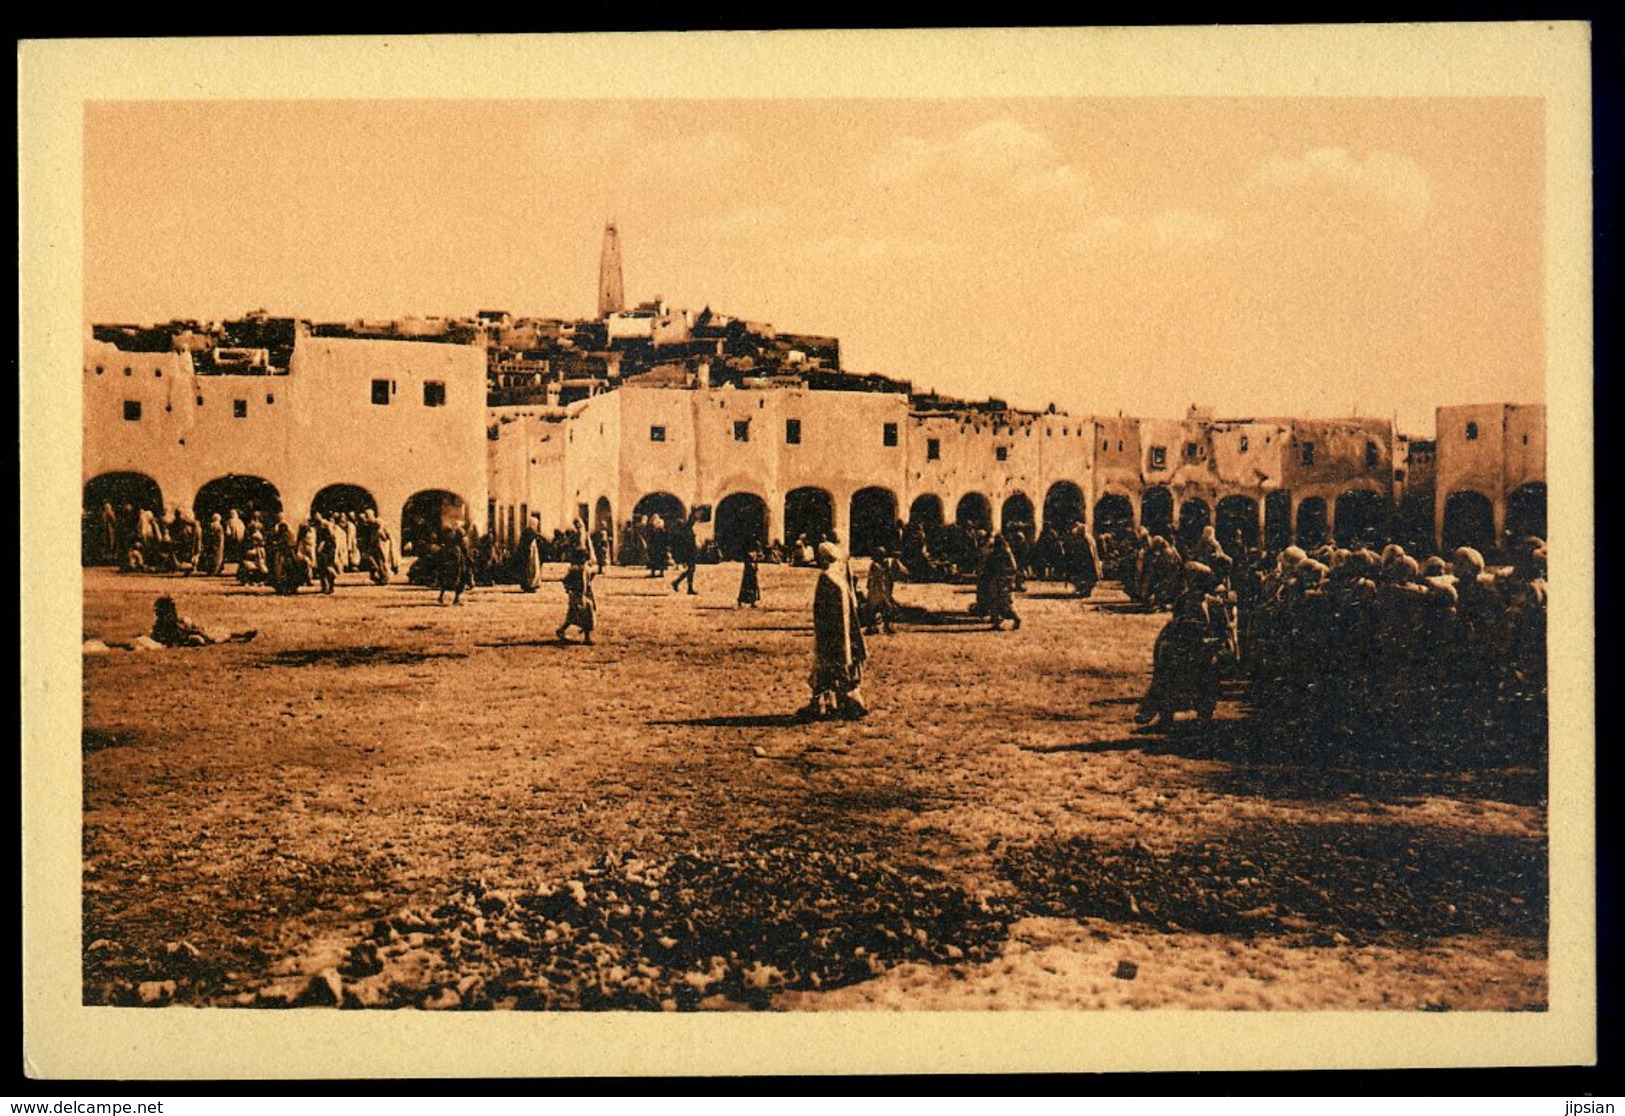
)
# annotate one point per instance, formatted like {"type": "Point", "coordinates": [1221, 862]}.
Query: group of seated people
{"type": "Point", "coordinates": [1351, 639]}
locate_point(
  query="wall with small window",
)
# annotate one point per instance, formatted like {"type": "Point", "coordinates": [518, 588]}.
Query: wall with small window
{"type": "Point", "coordinates": [1176, 453]}
{"type": "Point", "coordinates": [1509, 449]}
{"type": "Point", "coordinates": [1246, 456]}
{"type": "Point", "coordinates": [1327, 457]}
{"type": "Point", "coordinates": [843, 442]}
{"type": "Point", "coordinates": [1525, 441]}
{"type": "Point", "coordinates": [137, 422]}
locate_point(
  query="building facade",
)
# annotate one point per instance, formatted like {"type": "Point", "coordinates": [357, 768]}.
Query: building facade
{"type": "Point", "coordinates": [1490, 472]}
{"type": "Point", "coordinates": [415, 431]}
{"type": "Point", "coordinates": [396, 426]}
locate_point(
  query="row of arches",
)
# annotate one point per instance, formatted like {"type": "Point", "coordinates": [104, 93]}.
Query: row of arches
{"type": "Point", "coordinates": [1352, 518]}
{"type": "Point", "coordinates": [742, 519]}
{"type": "Point", "coordinates": [423, 516]}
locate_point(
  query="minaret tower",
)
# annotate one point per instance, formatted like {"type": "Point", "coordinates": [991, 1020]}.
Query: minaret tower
{"type": "Point", "coordinates": [611, 295]}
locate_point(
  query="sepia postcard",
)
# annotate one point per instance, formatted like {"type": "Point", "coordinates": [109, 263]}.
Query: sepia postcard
{"type": "Point", "coordinates": [781, 553]}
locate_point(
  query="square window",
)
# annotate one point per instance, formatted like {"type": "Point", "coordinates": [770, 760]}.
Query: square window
{"type": "Point", "coordinates": [792, 432]}
{"type": "Point", "coordinates": [157, 373]}
{"type": "Point", "coordinates": [1306, 453]}
{"type": "Point", "coordinates": [200, 401]}
{"type": "Point", "coordinates": [380, 393]}
{"type": "Point", "coordinates": [1119, 447]}
{"type": "Point", "coordinates": [1002, 453]}
{"type": "Point", "coordinates": [1526, 439]}
{"type": "Point", "coordinates": [1370, 455]}
{"type": "Point", "coordinates": [1472, 431]}
{"type": "Point", "coordinates": [1159, 457]}
{"type": "Point", "coordinates": [1244, 443]}
{"type": "Point", "coordinates": [888, 434]}
{"type": "Point", "coordinates": [1190, 451]}
{"type": "Point", "coordinates": [933, 449]}
{"type": "Point", "coordinates": [270, 399]}
{"type": "Point", "coordinates": [742, 431]}
{"type": "Point", "coordinates": [239, 408]}
{"type": "Point", "coordinates": [657, 433]}
{"type": "Point", "coordinates": [132, 410]}
{"type": "Point", "coordinates": [1105, 447]}
{"type": "Point", "coordinates": [434, 393]}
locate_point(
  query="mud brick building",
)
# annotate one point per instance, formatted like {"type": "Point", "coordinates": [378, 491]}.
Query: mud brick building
{"type": "Point", "coordinates": [434, 421]}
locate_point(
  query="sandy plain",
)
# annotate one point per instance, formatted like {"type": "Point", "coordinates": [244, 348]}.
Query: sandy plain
{"type": "Point", "coordinates": [383, 802]}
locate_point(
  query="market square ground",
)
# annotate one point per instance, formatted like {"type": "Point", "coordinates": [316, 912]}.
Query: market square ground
{"type": "Point", "coordinates": [384, 802]}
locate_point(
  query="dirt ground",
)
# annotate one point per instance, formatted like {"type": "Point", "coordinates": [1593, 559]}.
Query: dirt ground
{"type": "Point", "coordinates": [383, 802]}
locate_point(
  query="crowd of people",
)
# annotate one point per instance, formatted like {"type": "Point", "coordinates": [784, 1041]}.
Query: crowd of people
{"type": "Point", "coordinates": [1347, 640]}
{"type": "Point", "coordinates": [1344, 637]}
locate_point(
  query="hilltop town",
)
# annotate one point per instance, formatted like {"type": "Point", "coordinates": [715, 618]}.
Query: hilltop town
{"type": "Point", "coordinates": [651, 409]}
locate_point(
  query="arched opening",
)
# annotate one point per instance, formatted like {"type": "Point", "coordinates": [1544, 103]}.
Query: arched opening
{"type": "Point", "coordinates": [974, 510]}
{"type": "Point", "coordinates": [1413, 523]}
{"type": "Point", "coordinates": [1064, 506]}
{"type": "Point", "coordinates": [603, 516]}
{"type": "Point", "coordinates": [1312, 522]}
{"type": "Point", "coordinates": [1362, 519]}
{"type": "Point", "coordinates": [136, 489]}
{"type": "Point", "coordinates": [1469, 520]}
{"type": "Point", "coordinates": [926, 511]}
{"type": "Point", "coordinates": [246, 494]}
{"type": "Point", "coordinates": [1114, 515]}
{"type": "Point", "coordinates": [1526, 511]}
{"type": "Point", "coordinates": [425, 515]}
{"type": "Point", "coordinates": [741, 523]}
{"type": "Point", "coordinates": [1017, 515]}
{"type": "Point", "coordinates": [351, 499]}
{"type": "Point", "coordinates": [1194, 515]}
{"type": "Point", "coordinates": [809, 513]}
{"type": "Point", "coordinates": [874, 521]}
{"type": "Point", "coordinates": [1157, 511]}
{"type": "Point", "coordinates": [111, 503]}
{"type": "Point", "coordinates": [1277, 520]}
{"type": "Point", "coordinates": [1235, 521]}
{"type": "Point", "coordinates": [668, 507]}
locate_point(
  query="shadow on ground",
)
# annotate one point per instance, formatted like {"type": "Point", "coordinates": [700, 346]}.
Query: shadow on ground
{"type": "Point", "coordinates": [1360, 880]}
{"type": "Point", "coordinates": [748, 720]}
{"type": "Point", "coordinates": [354, 656]}
{"type": "Point", "coordinates": [1314, 761]}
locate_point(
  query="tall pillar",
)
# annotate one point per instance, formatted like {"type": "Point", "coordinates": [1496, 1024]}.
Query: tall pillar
{"type": "Point", "coordinates": [775, 516]}
{"type": "Point", "coordinates": [841, 517]}
{"type": "Point", "coordinates": [1499, 514]}
{"type": "Point", "coordinates": [1260, 508]}
{"type": "Point", "coordinates": [1331, 518]}
{"type": "Point", "coordinates": [1292, 520]}
{"type": "Point", "coordinates": [995, 515]}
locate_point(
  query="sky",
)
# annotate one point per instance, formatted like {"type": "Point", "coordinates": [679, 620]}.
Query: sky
{"type": "Point", "coordinates": [1280, 256]}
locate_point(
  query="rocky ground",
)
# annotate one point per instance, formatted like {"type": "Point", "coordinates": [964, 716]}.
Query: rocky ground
{"type": "Point", "coordinates": [381, 802]}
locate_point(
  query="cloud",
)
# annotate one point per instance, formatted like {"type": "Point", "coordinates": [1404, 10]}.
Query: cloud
{"type": "Point", "coordinates": [872, 249]}
{"type": "Point", "coordinates": [1184, 226]}
{"type": "Point", "coordinates": [1391, 185]}
{"type": "Point", "coordinates": [757, 218]}
{"type": "Point", "coordinates": [1171, 229]}
{"type": "Point", "coordinates": [1004, 154]}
